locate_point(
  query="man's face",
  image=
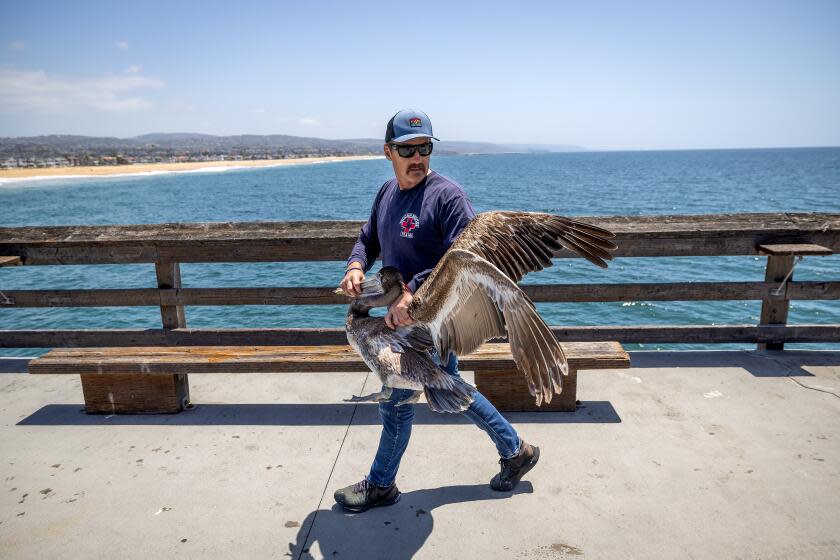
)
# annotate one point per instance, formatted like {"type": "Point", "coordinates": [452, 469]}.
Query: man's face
{"type": "Point", "coordinates": [411, 170]}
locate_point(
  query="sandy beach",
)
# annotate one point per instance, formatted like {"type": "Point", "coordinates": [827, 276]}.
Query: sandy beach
{"type": "Point", "coordinates": [14, 175]}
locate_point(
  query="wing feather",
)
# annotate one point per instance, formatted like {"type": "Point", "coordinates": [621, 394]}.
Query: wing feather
{"type": "Point", "coordinates": [468, 300]}
{"type": "Point", "coordinates": [522, 242]}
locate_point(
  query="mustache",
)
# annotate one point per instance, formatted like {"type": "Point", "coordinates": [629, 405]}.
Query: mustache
{"type": "Point", "coordinates": [417, 167]}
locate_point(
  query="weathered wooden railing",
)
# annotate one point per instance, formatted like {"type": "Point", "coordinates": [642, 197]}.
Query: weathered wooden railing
{"type": "Point", "coordinates": [779, 236]}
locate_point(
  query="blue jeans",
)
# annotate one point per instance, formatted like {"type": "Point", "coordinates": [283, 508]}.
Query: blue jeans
{"type": "Point", "coordinates": [397, 421]}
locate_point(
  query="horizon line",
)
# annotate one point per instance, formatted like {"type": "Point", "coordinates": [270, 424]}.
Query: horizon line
{"type": "Point", "coordinates": [575, 148]}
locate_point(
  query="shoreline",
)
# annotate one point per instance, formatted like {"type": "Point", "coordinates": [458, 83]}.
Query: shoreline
{"type": "Point", "coordinates": [8, 176]}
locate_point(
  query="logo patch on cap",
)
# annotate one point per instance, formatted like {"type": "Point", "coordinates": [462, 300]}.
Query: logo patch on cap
{"type": "Point", "coordinates": [415, 122]}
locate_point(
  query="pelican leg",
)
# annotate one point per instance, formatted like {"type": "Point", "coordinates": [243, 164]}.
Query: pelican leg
{"type": "Point", "coordinates": [380, 396]}
{"type": "Point", "coordinates": [415, 396]}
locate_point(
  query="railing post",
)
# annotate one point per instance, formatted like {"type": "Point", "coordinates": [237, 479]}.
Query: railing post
{"type": "Point", "coordinates": [780, 264]}
{"type": "Point", "coordinates": [775, 311]}
{"type": "Point", "coordinates": [132, 393]}
{"type": "Point", "coordinates": [169, 277]}
{"type": "Point", "coordinates": [173, 317]}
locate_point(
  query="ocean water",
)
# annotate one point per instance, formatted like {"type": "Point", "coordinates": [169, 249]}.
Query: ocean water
{"type": "Point", "coordinates": [592, 183]}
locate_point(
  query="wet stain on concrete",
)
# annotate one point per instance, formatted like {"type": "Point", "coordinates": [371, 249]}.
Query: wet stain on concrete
{"type": "Point", "coordinates": [290, 524]}
{"type": "Point", "coordinates": [419, 512]}
{"type": "Point", "coordinates": [183, 540]}
{"type": "Point", "coordinates": [56, 465]}
{"type": "Point", "coordinates": [46, 492]}
{"type": "Point", "coordinates": [21, 514]}
{"type": "Point", "coordinates": [23, 498]}
{"type": "Point", "coordinates": [77, 469]}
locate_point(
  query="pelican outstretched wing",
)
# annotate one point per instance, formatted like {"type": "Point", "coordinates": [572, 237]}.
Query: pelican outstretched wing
{"type": "Point", "coordinates": [522, 242]}
{"type": "Point", "coordinates": [471, 296]}
{"type": "Point", "coordinates": [467, 300]}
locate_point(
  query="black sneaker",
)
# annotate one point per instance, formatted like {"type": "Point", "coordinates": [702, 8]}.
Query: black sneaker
{"type": "Point", "coordinates": [365, 495]}
{"type": "Point", "coordinates": [515, 468]}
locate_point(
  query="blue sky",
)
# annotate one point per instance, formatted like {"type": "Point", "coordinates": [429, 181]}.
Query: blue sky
{"type": "Point", "coordinates": [605, 75]}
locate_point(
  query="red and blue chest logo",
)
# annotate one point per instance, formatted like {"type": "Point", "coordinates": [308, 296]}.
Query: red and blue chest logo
{"type": "Point", "coordinates": [409, 223]}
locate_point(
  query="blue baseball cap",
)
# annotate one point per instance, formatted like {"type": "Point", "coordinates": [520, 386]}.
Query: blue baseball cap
{"type": "Point", "coordinates": [408, 124]}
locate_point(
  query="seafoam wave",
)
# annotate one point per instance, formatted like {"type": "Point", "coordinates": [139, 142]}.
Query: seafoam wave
{"type": "Point", "coordinates": [22, 181]}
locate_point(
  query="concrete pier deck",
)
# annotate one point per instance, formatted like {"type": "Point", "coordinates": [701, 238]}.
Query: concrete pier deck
{"type": "Point", "coordinates": [686, 455]}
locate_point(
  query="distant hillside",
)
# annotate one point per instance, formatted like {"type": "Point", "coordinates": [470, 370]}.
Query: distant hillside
{"type": "Point", "coordinates": [547, 148]}
{"type": "Point", "coordinates": [178, 144]}
{"type": "Point", "coordinates": [168, 145]}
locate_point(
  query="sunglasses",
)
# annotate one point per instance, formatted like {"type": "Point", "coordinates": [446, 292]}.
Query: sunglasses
{"type": "Point", "coordinates": [407, 151]}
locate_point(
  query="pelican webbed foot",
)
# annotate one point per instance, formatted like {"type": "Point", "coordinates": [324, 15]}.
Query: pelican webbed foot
{"type": "Point", "coordinates": [379, 396]}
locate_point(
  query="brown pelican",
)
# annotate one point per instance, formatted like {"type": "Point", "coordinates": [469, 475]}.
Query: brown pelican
{"type": "Point", "coordinates": [470, 297]}
{"type": "Point", "coordinates": [400, 357]}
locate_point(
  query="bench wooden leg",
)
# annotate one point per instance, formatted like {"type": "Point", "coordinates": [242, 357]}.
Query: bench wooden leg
{"type": "Point", "coordinates": [135, 394]}
{"type": "Point", "coordinates": [508, 392]}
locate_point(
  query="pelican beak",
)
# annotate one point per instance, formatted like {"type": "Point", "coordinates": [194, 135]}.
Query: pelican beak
{"type": "Point", "coordinates": [371, 286]}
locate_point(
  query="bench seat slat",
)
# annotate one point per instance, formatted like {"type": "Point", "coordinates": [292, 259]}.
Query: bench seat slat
{"type": "Point", "coordinates": [251, 359]}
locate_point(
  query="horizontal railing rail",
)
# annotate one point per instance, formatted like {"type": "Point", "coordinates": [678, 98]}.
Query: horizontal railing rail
{"type": "Point", "coordinates": [688, 334]}
{"type": "Point", "coordinates": [636, 236]}
{"type": "Point", "coordinates": [168, 245]}
{"type": "Point", "coordinates": [541, 293]}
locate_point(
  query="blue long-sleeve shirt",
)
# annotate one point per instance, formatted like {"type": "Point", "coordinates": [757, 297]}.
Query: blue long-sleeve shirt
{"type": "Point", "coordinates": [413, 229]}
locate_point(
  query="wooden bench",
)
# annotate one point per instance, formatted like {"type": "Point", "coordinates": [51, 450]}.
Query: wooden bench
{"type": "Point", "coordinates": [147, 379]}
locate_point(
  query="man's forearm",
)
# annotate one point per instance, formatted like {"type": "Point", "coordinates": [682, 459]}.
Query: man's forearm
{"type": "Point", "coordinates": [364, 252]}
{"type": "Point", "coordinates": [355, 264]}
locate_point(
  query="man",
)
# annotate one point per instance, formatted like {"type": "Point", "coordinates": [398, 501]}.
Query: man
{"type": "Point", "coordinates": [415, 218]}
